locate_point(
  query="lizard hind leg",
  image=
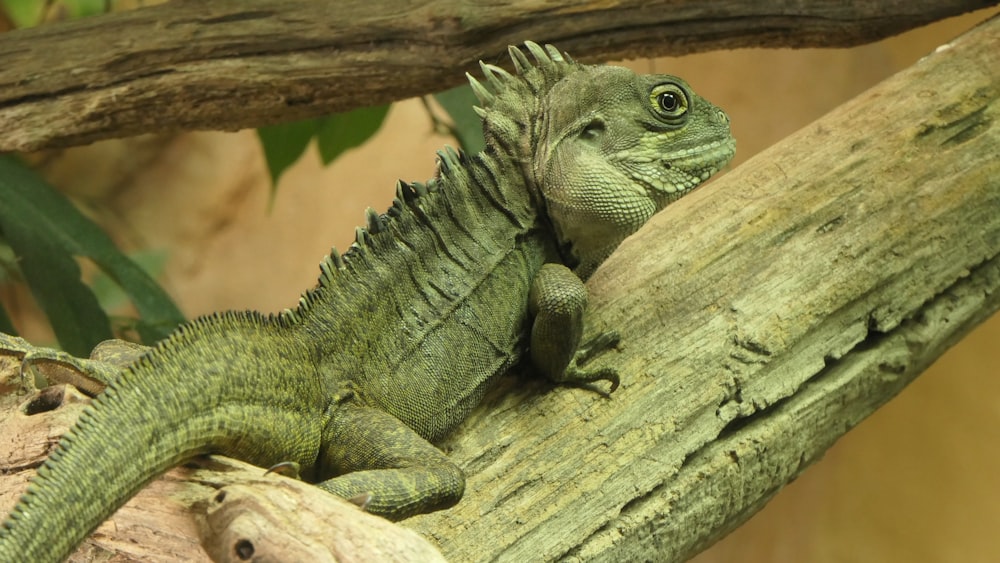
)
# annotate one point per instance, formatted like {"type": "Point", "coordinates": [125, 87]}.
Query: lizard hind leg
{"type": "Point", "coordinates": [379, 458]}
{"type": "Point", "coordinates": [90, 376]}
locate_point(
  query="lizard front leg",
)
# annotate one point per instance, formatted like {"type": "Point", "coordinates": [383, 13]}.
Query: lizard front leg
{"type": "Point", "coordinates": [379, 457]}
{"type": "Point", "coordinates": [558, 301]}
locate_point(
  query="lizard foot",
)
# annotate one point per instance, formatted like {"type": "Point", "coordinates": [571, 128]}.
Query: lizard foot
{"type": "Point", "coordinates": [55, 366]}
{"type": "Point", "coordinates": [594, 347]}
{"type": "Point", "coordinates": [597, 345]}
{"type": "Point", "coordinates": [577, 376]}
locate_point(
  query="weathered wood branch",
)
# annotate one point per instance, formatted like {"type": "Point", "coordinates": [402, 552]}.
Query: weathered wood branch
{"type": "Point", "coordinates": [232, 64]}
{"type": "Point", "coordinates": [762, 317]}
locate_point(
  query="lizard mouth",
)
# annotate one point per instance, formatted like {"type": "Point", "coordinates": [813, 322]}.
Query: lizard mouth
{"type": "Point", "coordinates": [684, 169]}
{"type": "Point", "coordinates": [678, 171]}
{"type": "Point", "coordinates": [711, 156]}
{"type": "Point", "coordinates": [701, 161]}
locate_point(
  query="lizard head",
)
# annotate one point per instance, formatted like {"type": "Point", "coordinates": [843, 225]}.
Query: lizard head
{"type": "Point", "coordinates": [616, 147]}
{"type": "Point", "coordinates": [605, 147]}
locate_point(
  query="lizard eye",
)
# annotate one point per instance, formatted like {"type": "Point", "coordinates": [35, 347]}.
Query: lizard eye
{"type": "Point", "coordinates": [669, 100]}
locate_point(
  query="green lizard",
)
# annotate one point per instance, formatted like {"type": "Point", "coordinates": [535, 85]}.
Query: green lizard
{"type": "Point", "coordinates": [463, 277]}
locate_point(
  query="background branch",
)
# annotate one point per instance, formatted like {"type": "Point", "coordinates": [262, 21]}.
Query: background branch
{"type": "Point", "coordinates": [233, 64]}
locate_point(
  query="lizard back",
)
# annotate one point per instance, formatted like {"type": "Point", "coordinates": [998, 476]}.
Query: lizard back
{"type": "Point", "coordinates": [429, 306]}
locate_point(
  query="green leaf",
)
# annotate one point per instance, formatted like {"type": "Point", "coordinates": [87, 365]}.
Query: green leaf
{"type": "Point", "coordinates": [24, 13]}
{"type": "Point", "coordinates": [46, 231]}
{"type": "Point", "coordinates": [29, 13]}
{"type": "Point", "coordinates": [283, 144]}
{"type": "Point", "coordinates": [10, 273]}
{"type": "Point", "coordinates": [5, 323]}
{"type": "Point", "coordinates": [9, 270]}
{"type": "Point", "coordinates": [343, 131]}
{"type": "Point", "coordinates": [110, 295]}
{"type": "Point", "coordinates": [84, 8]}
{"type": "Point", "coordinates": [467, 127]}
{"type": "Point", "coordinates": [54, 278]}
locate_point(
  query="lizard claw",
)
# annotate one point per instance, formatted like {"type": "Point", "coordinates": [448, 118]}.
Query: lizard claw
{"type": "Point", "coordinates": [286, 468]}
{"type": "Point", "coordinates": [575, 375]}
{"type": "Point", "coordinates": [596, 345]}
{"type": "Point", "coordinates": [362, 500]}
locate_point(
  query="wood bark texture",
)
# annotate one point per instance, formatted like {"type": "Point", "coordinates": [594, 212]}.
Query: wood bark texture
{"type": "Point", "coordinates": [762, 317]}
{"type": "Point", "coordinates": [238, 522]}
{"type": "Point", "coordinates": [233, 64]}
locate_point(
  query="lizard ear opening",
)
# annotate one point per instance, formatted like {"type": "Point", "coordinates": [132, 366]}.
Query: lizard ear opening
{"type": "Point", "coordinates": [593, 130]}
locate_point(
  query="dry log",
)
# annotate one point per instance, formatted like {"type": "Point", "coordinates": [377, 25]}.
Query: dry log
{"type": "Point", "coordinates": [239, 523]}
{"type": "Point", "coordinates": [232, 64]}
{"type": "Point", "coordinates": [762, 317]}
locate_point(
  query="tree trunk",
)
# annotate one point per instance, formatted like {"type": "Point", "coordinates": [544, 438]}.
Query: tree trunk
{"type": "Point", "coordinates": [187, 65]}
{"type": "Point", "coordinates": [762, 317]}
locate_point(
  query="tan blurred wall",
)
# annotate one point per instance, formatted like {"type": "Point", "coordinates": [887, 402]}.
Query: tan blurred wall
{"type": "Point", "coordinates": [916, 482]}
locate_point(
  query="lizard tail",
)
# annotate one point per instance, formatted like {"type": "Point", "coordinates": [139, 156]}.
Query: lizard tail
{"type": "Point", "coordinates": [148, 420]}
{"type": "Point", "coordinates": [93, 470]}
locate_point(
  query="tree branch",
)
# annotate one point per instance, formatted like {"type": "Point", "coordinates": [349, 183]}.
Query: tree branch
{"type": "Point", "coordinates": [762, 317]}
{"type": "Point", "coordinates": [233, 64]}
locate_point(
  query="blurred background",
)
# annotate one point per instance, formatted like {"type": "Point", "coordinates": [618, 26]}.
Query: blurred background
{"type": "Point", "coordinates": [915, 482]}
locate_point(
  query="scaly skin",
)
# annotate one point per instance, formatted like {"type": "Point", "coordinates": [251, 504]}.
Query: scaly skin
{"type": "Point", "coordinates": [463, 277]}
